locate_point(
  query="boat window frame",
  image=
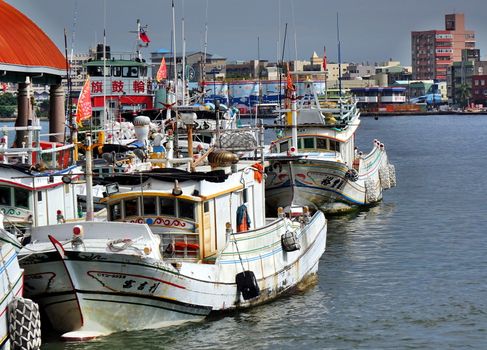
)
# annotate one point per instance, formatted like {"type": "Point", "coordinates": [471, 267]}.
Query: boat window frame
{"type": "Point", "coordinates": [27, 198]}
{"type": "Point", "coordinates": [326, 143]}
{"type": "Point", "coordinates": [312, 140]}
{"type": "Point", "coordinates": [128, 72]}
{"type": "Point", "coordinates": [10, 199]}
{"type": "Point", "coordinates": [111, 206]}
{"type": "Point", "coordinates": [143, 206]}
{"type": "Point", "coordinates": [285, 142]}
{"type": "Point", "coordinates": [179, 214]}
{"type": "Point", "coordinates": [160, 206]}
{"type": "Point", "coordinates": [125, 206]}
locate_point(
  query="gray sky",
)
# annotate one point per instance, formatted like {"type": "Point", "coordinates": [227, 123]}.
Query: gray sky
{"type": "Point", "coordinates": [370, 30]}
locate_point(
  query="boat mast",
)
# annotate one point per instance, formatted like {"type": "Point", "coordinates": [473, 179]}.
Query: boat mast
{"type": "Point", "coordinates": [282, 64]}
{"type": "Point", "coordinates": [203, 75]}
{"type": "Point", "coordinates": [105, 114]}
{"type": "Point", "coordinates": [339, 68]}
{"type": "Point", "coordinates": [258, 77]}
{"type": "Point", "coordinates": [89, 179]}
{"type": "Point", "coordinates": [183, 69]}
{"type": "Point", "coordinates": [174, 52]}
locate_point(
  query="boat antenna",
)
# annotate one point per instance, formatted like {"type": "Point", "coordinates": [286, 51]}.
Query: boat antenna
{"type": "Point", "coordinates": [294, 27]}
{"type": "Point", "coordinates": [282, 63]}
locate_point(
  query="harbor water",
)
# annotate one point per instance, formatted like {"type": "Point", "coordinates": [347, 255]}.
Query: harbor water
{"type": "Point", "coordinates": [409, 273]}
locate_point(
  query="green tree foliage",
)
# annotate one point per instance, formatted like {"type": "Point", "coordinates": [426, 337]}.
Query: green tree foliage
{"type": "Point", "coordinates": [464, 94]}
{"type": "Point", "coordinates": [8, 105]}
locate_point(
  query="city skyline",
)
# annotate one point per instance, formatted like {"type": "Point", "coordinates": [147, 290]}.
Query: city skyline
{"type": "Point", "coordinates": [371, 31]}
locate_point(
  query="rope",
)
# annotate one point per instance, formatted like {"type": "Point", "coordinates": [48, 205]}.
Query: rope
{"type": "Point", "coordinates": [238, 252]}
{"type": "Point", "coordinates": [6, 270]}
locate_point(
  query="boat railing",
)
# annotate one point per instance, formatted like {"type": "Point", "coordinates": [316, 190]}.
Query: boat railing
{"type": "Point", "coordinates": [33, 150]}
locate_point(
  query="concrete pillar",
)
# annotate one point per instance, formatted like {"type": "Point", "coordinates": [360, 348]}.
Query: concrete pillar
{"type": "Point", "coordinates": [23, 113]}
{"type": "Point", "coordinates": [56, 113]}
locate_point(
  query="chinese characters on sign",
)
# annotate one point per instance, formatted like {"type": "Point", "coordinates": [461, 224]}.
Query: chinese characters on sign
{"type": "Point", "coordinates": [126, 86]}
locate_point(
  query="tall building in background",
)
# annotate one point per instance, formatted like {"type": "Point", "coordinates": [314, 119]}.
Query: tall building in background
{"type": "Point", "coordinates": [433, 51]}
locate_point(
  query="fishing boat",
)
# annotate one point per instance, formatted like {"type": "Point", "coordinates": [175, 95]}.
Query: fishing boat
{"type": "Point", "coordinates": [19, 318]}
{"type": "Point", "coordinates": [178, 245]}
{"type": "Point", "coordinates": [314, 161]}
{"type": "Point", "coordinates": [32, 191]}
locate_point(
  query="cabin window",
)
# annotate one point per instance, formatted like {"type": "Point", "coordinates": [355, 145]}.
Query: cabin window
{"type": "Point", "coordinates": [117, 71]}
{"type": "Point", "coordinates": [300, 143]}
{"type": "Point", "coordinates": [115, 212]}
{"type": "Point", "coordinates": [130, 72]}
{"type": "Point", "coordinates": [284, 146]}
{"type": "Point", "coordinates": [150, 206]}
{"type": "Point", "coordinates": [39, 196]}
{"type": "Point", "coordinates": [309, 142]}
{"type": "Point", "coordinates": [95, 71]}
{"type": "Point", "coordinates": [21, 198]}
{"type": "Point", "coordinates": [206, 207]}
{"type": "Point", "coordinates": [5, 196]}
{"type": "Point", "coordinates": [321, 144]}
{"type": "Point", "coordinates": [131, 207]}
{"type": "Point", "coordinates": [334, 146]}
{"type": "Point", "coordinates": [186, 209]}
{"type": "Point", "coordinates": [167, 207]}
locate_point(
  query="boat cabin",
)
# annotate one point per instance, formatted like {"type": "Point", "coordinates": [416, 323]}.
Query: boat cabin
{"type": "Point", "coordinates": [192, 219]}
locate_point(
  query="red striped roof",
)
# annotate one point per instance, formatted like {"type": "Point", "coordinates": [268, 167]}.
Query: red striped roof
{"type": "Point", "coordinates": [23, 43]}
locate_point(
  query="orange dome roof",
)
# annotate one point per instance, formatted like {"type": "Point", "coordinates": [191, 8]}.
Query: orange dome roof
{"type": "Point", "coordinates": [24, 46]}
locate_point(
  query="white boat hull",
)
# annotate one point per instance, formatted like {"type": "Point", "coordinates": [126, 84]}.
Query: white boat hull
{"type": "Point", "coordinates": [11, 286]}
{"type": "Point", "coordinates": [323, 184]}
{"type": "Point", "coordinates": [116, 292]}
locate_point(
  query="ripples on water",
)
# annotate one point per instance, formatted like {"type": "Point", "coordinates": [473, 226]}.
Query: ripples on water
{"type": "Point", "coordinates": [409, 273]}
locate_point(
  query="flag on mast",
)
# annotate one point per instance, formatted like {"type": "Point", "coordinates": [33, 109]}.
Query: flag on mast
{"type": "Point", "coordinates": [143, 36]}
{"type": "Point", "coordinates": [83, 107]}
{"type": "Point", "coordinates": [290, 85]}
{"type": "Point", "coordinates": [162, 72]}
{"type": "Point", "coordinates": [324, 58]}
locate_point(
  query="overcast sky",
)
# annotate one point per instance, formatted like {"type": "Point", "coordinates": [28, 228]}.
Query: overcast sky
{"type": "Point", "coordinates": [370, 30]}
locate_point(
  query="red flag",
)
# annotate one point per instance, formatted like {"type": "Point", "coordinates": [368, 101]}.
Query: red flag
{"type": "Point", "coordinates": [83, 108]}
{"type": "Point", "coordinates": [143, 36]}
{"type": "Point", "coordinates": [290, 85]}
{"type": "Point", "coordinates": [162, 72]}
{"type": "Point", "coordinates": [324, 59]}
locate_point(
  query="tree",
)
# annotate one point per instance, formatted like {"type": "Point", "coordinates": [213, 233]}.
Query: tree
{"type": "Point", "coordinates": [8, 105]}
{"type": "Point", "coordinates": [464, 93]}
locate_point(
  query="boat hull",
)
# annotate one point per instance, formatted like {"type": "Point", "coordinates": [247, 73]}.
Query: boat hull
{"type": "Point", "coordinates": [323, 184]}
{"type": "Point", "coordinates": [118, 292]}
{"type": "Point", "coordinates": [11, 286]}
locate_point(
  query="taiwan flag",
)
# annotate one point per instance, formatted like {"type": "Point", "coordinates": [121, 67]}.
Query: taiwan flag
{"type": "Point", "coordinates": [83, 108]}
{"type": "Point", "coordinates": [143, 36]}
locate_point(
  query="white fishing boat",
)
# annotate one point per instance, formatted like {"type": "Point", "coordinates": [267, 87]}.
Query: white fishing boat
{"type": "Point", "coordinates": [32, 191]}
{"type": "Point", "coordinates": [314, 161]}
{"type": "Point", "coordinates": [19, 318]}
{"type": "Point", "coordinates": [178, 246]}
